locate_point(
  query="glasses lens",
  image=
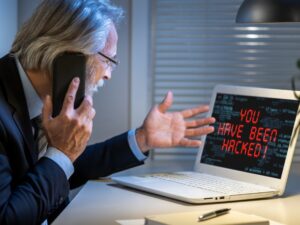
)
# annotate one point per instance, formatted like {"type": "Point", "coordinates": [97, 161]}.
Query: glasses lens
{"type": "Point", "coordinates": [111, 63]}
{"type": "Point", "coordinates": [113, 66]}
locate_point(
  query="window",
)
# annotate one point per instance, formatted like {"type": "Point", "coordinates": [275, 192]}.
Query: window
{"type": "Point", "coordinates": [197, 44]}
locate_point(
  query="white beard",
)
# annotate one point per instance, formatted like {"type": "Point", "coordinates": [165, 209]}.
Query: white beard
{"type": "Point", "coordinates": [92, 89]}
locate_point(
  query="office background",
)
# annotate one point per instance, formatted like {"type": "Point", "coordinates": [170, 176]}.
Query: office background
{"type": "Point", "coordinates": [184, 46]}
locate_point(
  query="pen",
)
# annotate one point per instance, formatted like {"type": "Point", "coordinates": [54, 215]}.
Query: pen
{"type": "Point", "coordinates": [213, 214]}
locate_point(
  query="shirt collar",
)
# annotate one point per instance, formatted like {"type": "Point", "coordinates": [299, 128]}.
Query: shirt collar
{"type": "Point", "coordinates": [34, 102]}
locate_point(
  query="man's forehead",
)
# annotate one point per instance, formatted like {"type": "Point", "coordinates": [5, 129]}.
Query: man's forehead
{"type": "Point", "coordinates": [111, 41]}
{"type": "Point", "coordinates": [112, 35]}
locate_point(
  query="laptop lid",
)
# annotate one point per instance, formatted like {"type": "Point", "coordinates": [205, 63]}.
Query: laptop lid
{"type": "Point", "coordinates": [253, 138]}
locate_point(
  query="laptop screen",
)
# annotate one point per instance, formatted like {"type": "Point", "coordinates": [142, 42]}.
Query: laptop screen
{"type": "Point", "coordinates": [252, 134]}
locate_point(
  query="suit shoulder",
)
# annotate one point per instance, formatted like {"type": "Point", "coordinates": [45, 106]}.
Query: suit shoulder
{"type": "Point", "coordinates": [2, 131]}
{"type": "Point", "coordinates": [7, 63]}
{"type": "Point", "coordinates": [4, 110]}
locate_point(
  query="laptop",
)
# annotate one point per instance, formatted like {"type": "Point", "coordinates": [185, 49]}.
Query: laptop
{"type": "Point", "coordinates": [248, 156]}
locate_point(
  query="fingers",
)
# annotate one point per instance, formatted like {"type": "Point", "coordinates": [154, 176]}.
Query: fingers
{"type": "Point", "coordinates": [85, 105]}
{"type": "Point", "coordinates": [200, 122]}
{"type": "Point", "coordinates": [186, 142]}
{"type": "Point", "coordinates": [166, 103]}
{"type": "Point", "coordinates": [190, 143]}
{"type": "Point", "coordinates": [47, 109]}
{"type": "Point", "coordinates": [199, 131]}
{"type": "Point", "coordinates": [193, 112]}
{"type": "Point", "coordinates": [70, 95]}
{"type": "Point", "coordinates": [89, 115]}
{"type": "Point", "coordinates": [86, 109]}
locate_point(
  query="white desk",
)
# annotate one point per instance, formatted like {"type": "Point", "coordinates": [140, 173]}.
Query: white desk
{"type": "Point", "coordinates": [102, 202]}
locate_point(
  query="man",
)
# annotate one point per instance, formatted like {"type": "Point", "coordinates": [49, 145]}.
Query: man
{"type": "Point", "coordinates": [35, 180]}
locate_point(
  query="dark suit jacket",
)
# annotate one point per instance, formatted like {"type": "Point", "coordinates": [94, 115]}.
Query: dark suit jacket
{"type": "Point", "coordinates": [32, 190]}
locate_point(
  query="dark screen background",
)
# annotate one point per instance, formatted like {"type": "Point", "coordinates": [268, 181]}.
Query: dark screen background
{"type": "Point", "coordinates": [277, 114]}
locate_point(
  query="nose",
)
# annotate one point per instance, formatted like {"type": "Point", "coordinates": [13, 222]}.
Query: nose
{"type": "Point", "coordinates": [107, 75]}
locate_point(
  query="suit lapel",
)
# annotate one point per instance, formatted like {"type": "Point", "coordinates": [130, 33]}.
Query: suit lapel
{"type": "Point", "coordinates": [15, 96]}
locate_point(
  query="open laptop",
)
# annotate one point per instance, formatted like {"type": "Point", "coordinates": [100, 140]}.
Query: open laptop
{"type": "Point", "coordinates": [248, 156]}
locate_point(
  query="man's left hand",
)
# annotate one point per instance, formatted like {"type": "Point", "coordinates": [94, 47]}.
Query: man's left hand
{"type": "Point", "coordinates": [162, 129]}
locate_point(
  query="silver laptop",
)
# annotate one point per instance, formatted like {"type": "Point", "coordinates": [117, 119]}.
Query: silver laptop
{"type": "Point", "coordinates": [247, 157]}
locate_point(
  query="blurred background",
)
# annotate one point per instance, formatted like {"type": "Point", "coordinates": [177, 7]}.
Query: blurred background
{"type": "Point", "coordinates": [184, 46]}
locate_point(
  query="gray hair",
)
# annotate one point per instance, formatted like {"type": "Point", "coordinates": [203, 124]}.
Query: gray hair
{"type": "Point", "coordinates": [64, 25]}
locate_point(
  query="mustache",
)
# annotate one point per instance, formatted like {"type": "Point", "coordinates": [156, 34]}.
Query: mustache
{"type": "Point", "coordinates": [93, 88]}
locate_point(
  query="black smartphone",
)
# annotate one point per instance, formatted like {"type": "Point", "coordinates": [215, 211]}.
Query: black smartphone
{"type": "Point", "coordinates": [66, 66]}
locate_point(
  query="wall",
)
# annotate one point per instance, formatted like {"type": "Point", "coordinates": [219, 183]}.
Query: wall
{"type": "Point", "coordinates": [140, 61]}
{"type": "Point", "coordinates": [112, 102]}
{"type": "Point", "coordinates": [25, 9]}
{"type": "Point", "coordinates": [8, 24]}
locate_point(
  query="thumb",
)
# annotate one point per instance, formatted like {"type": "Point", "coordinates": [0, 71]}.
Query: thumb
{"type": "Point", "coordinates": [166, 103]}
{"type": "Point", "coordinates": [47, 109]}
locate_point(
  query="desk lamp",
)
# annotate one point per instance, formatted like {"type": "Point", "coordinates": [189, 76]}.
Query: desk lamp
{"type": "Point", "coordinates": [269, 11]}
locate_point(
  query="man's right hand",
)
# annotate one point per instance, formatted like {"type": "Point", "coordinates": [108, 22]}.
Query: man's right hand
{"type": "Point", "coordinates": [70, 131]}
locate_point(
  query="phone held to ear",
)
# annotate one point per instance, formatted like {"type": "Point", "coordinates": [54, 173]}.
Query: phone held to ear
{"type": "Point", "coordinates": [66, 67]}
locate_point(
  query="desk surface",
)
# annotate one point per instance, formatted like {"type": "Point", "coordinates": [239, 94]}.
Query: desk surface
{"type": "Point", "coordinates": [103, 202]}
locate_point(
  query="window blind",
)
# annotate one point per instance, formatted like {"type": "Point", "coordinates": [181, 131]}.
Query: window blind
{"type": "Point", "coordinates": [196, 44]}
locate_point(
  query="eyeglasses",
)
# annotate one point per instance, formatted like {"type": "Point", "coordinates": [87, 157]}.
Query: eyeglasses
{"type": "Point", "coordinates": [112, 63]}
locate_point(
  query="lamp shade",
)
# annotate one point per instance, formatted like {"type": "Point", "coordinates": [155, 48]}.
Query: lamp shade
{"type": "Point", "coordinates": [269, 11]}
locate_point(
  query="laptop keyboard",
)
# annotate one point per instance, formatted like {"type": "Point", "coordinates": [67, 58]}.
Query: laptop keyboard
{"type": "Point", "coordinates": [211, 183]}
